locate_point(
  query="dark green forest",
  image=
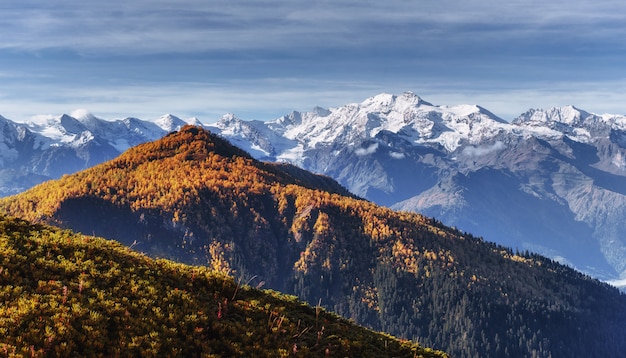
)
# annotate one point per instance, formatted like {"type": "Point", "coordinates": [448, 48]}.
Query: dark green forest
{"type": "Point", "coordinates": [194, 198]}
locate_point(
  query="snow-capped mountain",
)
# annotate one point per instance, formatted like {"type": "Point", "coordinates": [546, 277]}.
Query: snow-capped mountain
{"type": "Point", "coordinates": [55, 145]}
{"type": "Point", "coordinates": [367, 146]}
{"type": "Point", "coordinates": [552, 181]}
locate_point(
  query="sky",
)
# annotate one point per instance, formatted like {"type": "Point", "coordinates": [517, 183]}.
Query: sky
{"type": "Point", "coordinates": [264, 59]}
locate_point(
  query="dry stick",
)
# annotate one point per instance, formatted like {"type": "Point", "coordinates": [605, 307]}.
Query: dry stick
{"type": "Point", "coordinates": [239, 283]}
{"type": "Point", "coordinates": [318, 308]}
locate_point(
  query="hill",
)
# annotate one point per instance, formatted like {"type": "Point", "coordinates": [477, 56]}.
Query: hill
{"type": "Point", "coordinates": [195, 198]}
{"type": "Point", "coordinates": [66, 294]}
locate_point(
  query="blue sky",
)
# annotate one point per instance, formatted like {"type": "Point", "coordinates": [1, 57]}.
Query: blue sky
{"type": "Point", "coordinates": [263, 59]}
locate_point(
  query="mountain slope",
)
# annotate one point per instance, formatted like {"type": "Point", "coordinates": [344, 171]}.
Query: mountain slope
{"type": "Point", "coordinates": [552, 181]}
{"type": "Point", "coordinates": [194, 197]}
{"type": "Point", "coordinates": [33, 152]}
{"type": "Point", "coordinates": [65, 294]}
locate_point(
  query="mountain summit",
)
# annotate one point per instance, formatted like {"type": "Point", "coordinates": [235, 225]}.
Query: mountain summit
{"type": "Point", "coordinates": [407, 116]}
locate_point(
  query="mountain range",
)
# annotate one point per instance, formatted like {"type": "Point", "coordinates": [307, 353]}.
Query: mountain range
{"type": "Point", "coordinates": [551, 181]}
{"type": "Point", "coordinates": [195, 198]}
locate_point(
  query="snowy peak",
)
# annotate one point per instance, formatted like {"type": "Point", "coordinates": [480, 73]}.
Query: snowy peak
{"type": "Point", "coordinates": [71, 125]}
{"type": "Point", "coordinates": [294, 118]}
{"type": "Point", "coordinates": [170, 122]}
{"type": "Point", "coordinates": [56, 129]}
{"type": "Point", "coordinates": [321, 112]}
{"type": "Point", "coordinates": [194, 121]}
{"type": "Point", "coordinates": [389, 102]}
{"type": "Point", "coordinates": [262, 140]}
{"type": "Point", "coordinates": [231, 125]}
{"type": "Point", "coordinates": [86, 118]}
{"type": "Point", "coordinates": [568, 115]}
{"type": "Point", "coordinates": [228, 120]}
{"type": "Point", "coordinates": [406, 115]}
{"type": "Point", "coordinates": [573, 122]}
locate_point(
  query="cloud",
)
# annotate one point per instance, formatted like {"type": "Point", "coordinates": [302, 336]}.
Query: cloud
{"type": "Point", "coordinates": [261, 99]}
{"type": "Point", "coordinates": [371, 149]}
{"type": "Point", "coordinates": [81, 113]}
{"type": "Point", "coordinates": [472, 151]}
{"type": "Point", "coordinates": [270, 98]}
{"type": "Point", "coordinates": [156, 27]}
{"type": "Point", "coordinates": [618, 283]}
{"type": "Point", "coordinates": [396, 155]}
{"type": "Point", "coordinates": [509, 100]}
{"type": "Point", "coordinates": [262, 59]}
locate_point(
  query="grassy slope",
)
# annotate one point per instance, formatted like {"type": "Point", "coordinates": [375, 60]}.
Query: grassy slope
{"type": "Point", "coordinates": [66, 294]}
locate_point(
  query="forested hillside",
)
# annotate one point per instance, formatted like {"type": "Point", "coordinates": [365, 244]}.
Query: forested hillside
{"type": "Point", "coordinates": [67, 295]}
{"type": "Point", "coordinates": [195, 198]}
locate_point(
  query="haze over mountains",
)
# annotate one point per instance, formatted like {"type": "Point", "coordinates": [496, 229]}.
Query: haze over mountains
{"type": "Point", "coordinates": [551, 181]}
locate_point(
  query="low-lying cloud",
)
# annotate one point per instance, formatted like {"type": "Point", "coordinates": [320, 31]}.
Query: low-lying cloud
{"type": "Point", "coordinates": [371, 149]}
{"type": "Point", "coordinates": [472, 151]}
{"type": "Point", "coordinates": [396, 155]}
